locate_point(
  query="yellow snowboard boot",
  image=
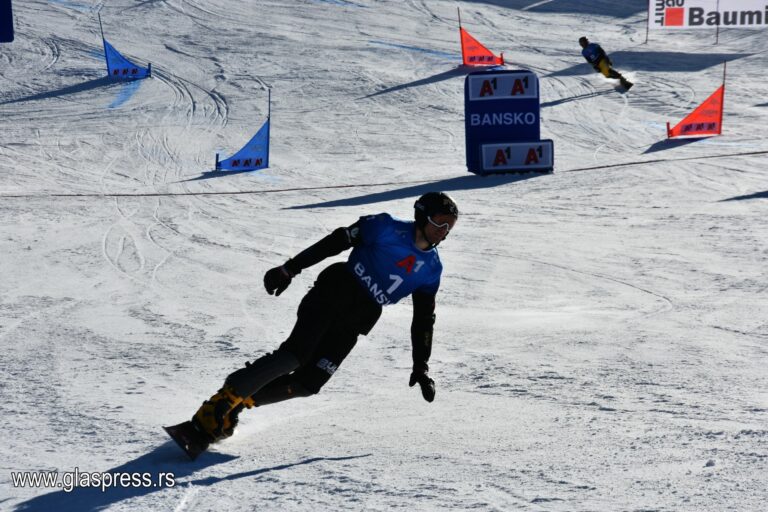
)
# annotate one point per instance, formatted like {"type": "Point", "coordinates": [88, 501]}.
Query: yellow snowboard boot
{"type": "Point", "coordinates": [217, 417]}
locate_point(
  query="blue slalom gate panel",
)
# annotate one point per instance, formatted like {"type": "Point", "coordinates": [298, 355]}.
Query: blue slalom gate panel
{"type": "Point", "coordinates": [501, 110]}
{"type": "Point", "coordinates": [253, 156]}
{"type": "Point", "coordinates": [6, 21]}
{"type": "Point", "coordinates": [119, 67]}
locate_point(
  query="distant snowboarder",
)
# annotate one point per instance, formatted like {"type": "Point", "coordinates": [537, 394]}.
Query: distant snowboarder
{"type": "Point", "coordinates": [390, 260]}
{"type": "Point", "coordinates": [596, 56]}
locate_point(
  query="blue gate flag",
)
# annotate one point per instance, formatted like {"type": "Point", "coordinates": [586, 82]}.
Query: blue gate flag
{"type": "Point", "coordinates": [121, 68]}
{"type": "Point", "coordinates": [6, 21]}
{"type": "Point", "coordinates": [253, 156]}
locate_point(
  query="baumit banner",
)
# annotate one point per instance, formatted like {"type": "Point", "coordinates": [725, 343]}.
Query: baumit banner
{"type": "Point", "coordinates": [692, 14]}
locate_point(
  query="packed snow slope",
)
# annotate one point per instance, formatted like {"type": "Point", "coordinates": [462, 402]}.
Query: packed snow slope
{"type": "Point", "coordinates": [602, 332]}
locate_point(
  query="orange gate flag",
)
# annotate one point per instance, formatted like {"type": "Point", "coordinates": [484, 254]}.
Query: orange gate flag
{"type": "Point", "coordinates": [475, 54]}
{"type": "Point", "coordinates": [705, 121]}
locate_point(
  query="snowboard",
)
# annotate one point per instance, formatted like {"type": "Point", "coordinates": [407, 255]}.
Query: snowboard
{"type": "Point", "coordinates": [188, 438]}
{"type": "Point", "coordinates": [624, 87]}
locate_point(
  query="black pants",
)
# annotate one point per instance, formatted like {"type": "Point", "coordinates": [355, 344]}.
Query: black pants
{"type": "Point", "coordinates": [335, 311]}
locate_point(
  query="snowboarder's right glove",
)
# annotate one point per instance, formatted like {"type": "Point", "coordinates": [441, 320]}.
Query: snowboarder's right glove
{"type": "Point", "coordinates": [427, 385]}
{"type": "Point", "coordinates": [276, 280]}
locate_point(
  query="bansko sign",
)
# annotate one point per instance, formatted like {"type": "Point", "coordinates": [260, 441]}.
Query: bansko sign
{"type": "Point", "coordinates": [675, 14]}
{"type": "Point", "coordinates": [501, 120]}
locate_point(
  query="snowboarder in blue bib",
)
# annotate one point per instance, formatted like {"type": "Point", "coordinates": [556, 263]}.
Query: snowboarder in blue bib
{"type": "Point", "coordinates": [596, 56]}
{"type": "Point", "coordinates": [390, 259]}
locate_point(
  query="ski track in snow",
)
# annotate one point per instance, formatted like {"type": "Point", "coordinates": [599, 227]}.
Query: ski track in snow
{"type": "Point", "coordinates": [601, 331]}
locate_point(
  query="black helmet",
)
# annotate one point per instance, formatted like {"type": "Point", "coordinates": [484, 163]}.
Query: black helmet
{"type": "Point", "coordinates": [583, 40]}
{"type": "Point", "coordinates": [434, 203]}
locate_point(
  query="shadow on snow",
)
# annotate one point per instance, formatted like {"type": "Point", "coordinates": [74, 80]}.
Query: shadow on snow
{"type": "Point", "coordinates": [207, 175]}
{"type": "Point", "coordinates": [461, 70]}
{"type": "Point", "coordinates": [656, 61]}
{"type": "Point", "coordinates": [127, 90]}
{"type": "Point", "coordinates": [470, 182]}
{"type": "Point", "coordinates": [576, 98]}
{"type": "Point", "coordinates": [666, 144]}
{"type": "Point", "coordinates": [757, 195]}
{"type": "Point", "coordinates": [622, 9]}
{"type": "Point", "coordinates": [166, 458]}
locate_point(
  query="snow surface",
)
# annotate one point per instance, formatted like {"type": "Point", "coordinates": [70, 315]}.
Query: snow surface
{"type": "Point", "coordinates": [602, 333]}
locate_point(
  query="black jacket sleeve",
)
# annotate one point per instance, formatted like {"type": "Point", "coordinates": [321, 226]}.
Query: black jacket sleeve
{"type": "Point", "coordinates": [421, 329]}
{"type": "Point", "coordinates": [338, 241]}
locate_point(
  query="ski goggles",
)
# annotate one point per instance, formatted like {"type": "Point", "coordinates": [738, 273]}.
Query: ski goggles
{"type": "Point", "coordinates": [445, 225]}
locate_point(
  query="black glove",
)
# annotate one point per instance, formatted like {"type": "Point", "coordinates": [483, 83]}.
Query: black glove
{"type": "Point", "coordinates": [276, 280]}
{"type": "Point", "coordinates": [427, 385]}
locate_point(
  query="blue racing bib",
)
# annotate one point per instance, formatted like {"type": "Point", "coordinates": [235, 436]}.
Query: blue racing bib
{"type": "Point", "coordinates": [592, 53]}
{"type": "Point", "coordinates": [388, 263]}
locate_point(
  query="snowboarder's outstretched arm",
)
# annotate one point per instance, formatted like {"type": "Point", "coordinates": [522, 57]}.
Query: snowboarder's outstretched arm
{"type": "Point", "coordinates": [277, 279]}
{"type": "Point", "coordinates": [421, 342]}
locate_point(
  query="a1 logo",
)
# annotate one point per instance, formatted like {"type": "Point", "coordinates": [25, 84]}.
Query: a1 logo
{"type": "Point", "coordinates": [410, 264]}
